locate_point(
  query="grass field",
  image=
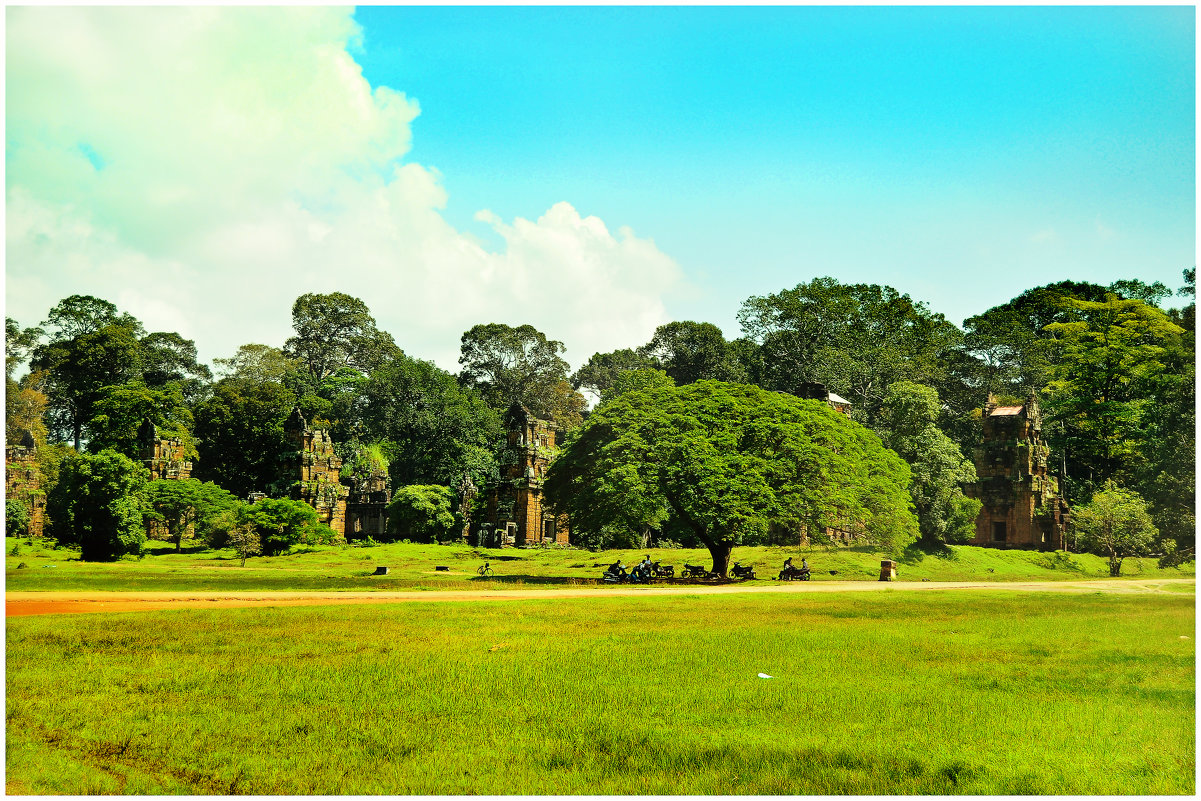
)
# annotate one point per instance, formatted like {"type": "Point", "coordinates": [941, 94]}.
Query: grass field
{"type": "Point", "coordinates": [892, 693]}
{"type": "Point", "coordinates": [411, 567]}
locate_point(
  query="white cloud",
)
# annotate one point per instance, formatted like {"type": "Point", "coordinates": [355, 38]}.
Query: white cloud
{"type": "Point", "coordinates": [202, 167]}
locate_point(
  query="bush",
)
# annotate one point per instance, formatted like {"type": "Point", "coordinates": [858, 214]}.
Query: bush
{"type": "Point", "coordinates": [16, 518]}
{"type": "Point", "coordinates": [423, 513]}
{"type": "Point", "coordinates": [97, 505]}
{"type": "Point", "coordinates": [280, 522]}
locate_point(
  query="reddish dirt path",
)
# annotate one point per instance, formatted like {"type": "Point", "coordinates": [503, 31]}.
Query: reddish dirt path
{"type": "Point", "coordinates": [51, 603]}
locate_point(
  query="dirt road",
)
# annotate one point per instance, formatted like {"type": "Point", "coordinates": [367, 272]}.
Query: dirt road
{"type": "Point", "coordinates": [52, 603]}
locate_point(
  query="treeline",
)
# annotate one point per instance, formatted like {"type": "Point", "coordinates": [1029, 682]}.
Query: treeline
{"type": "Point", "coordinates": [1113, 367]}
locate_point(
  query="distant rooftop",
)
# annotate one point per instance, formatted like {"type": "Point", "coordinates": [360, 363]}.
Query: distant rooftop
{"type": "Point", "coordinates": [1001, 410]}
{"type": "Point", "coordinates": [839, 399]}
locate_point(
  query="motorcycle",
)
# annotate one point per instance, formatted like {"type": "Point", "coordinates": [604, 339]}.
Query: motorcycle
{"type": "Point", "coordinates": [741, 572]}
{"type": "Point", "coordinates": [664, 571]}
{"type": "Point", "coordinates": [791, 573]}
{"type": "Point", "coordinates": [641, 574]}
{"type": "Point", "coordinates": [615, 574]}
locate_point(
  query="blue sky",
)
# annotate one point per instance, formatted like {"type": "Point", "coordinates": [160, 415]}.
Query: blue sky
{"type": "Point", "coordinates": [760, 147]}
{"type": "Point", "coordinates": [593, 171]}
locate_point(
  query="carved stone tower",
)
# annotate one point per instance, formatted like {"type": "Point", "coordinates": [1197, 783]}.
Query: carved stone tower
{"type": "Point", "coordinates": [516, 515]}
{"type": "Point", "coordinates": [314, 469]}
{"type": "Point", "coordinates": [1021, 503]}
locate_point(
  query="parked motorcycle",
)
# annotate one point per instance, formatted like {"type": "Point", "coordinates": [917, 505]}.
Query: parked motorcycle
{"type": "Point", "coordinates": [741, 572]}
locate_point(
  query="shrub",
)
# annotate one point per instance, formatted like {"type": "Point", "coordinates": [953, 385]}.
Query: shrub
{"type": "Point", "coordinates": [280, 522]}
{"type": "Point", "coordinates": [16, 518]}
{"type": "Point", "coordinates": [424, 513]}
{"type": "Point", "coordinates": [97, 505]}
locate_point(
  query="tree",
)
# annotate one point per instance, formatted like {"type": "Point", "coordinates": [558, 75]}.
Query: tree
{"type": "Point", "coordinates": [1107, 364]}
{"type": "Point", "coordinates": [337, 330]}
{"type": "Point", "coordinates": [18, 344]}
{"type": "Point", "coordinates": [78, 369]}
{"type": "Point", "coordinates": [689, 352]}
{"type": "Point", "coordinates": [168, 358]}
{"type": "Point", "coordinates": [729, 461]}
{"type": "Point", "coordinates": [432, 430]}
{"type": "Point", "coordinates": [423, 513]}
{"type": "Point", "coordinates": [279, 522]}
{"type": "Point", "coordinates": [240, 434]}
{"type": "Point", "coordinates": [856, 339]}
{"type": "Point", "coordinates": [512, 365]}
{"type": "Point", "coordinates": [96, 504]}
{"type": "Point", "coordinates": [602, 369]}
{"type": "Point", "coordinates": [940, 470]}
{"type": "Point", "coordinates": [636, 379]}
{"type": "Point", "coordinates": [77, 315]}
{"type": "Point", "coordinates": [1115, 524]}
{"type": "Point", "coordinates": [257, 364]}
{"type": "Point", "coordinates": [244, 539]}
{"type": "Point", "coordinates": [119, 412]}
{"type": "Point", "coordinates": [186, 506]}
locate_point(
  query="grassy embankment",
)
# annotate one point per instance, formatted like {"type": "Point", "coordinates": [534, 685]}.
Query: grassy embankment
{"type": "Point", "coordinates": [412, 567]}
{"type": "Point", "coordinates": [896, 693]}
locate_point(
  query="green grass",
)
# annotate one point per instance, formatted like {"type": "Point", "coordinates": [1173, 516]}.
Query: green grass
{"type": "Point", "coordinates": [894, 693]}
{"type": "Point", "coordinates": [412, 567]}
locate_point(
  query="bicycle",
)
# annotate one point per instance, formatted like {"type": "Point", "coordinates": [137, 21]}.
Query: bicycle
{"type": "Point", "coordinates": [485, 571]}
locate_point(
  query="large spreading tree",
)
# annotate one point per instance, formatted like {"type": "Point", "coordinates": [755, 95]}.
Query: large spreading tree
{"type": "Point", "coordinates": [729, 462]}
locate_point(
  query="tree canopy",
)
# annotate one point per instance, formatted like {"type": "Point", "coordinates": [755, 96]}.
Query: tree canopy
{"type": "Point", "coordinates": [730, 461]}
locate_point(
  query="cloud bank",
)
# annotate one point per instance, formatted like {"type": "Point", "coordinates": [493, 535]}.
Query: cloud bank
{"type": "Point", "coordinates": [203, 167]}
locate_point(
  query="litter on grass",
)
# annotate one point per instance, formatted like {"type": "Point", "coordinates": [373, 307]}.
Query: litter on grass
{"type": "Point", "coordinates": [765, 676]}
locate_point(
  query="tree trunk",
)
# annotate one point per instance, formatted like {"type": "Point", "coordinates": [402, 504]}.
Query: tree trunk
{"type": "Point", "coordinates": [720, 551]}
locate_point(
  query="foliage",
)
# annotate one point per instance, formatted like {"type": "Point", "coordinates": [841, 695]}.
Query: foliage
{"type": "Point", "coordinates": [431, 430]}
{"type": "Point", "coordinates": [77, 371]}
{"type": "Point", "coordinates": [1107, 363]}
{"type": "Point", "coordinates": [18, 345]}
{"type": "Point", "coordinates": [512, 365]}
{"type": "Point", "coordinates": [96, 504]}
{"type": "Point", "coordinates": [939, 468]}
{"type": "Point", "coordinates": [187, 507]}
{"type": "Point", "coordinates": [856, 339]}
{"type": "Point", "coordinates": [598, 374]}
{"type": "Point", "coordinates": [689, 351]}
{"type": "Point", "coordinates": [16, 517]}
{"type": "Point", "coordinates": [168, 358]}
{"type": "Point", "coordinates": [257, 364]}
{"type": "Point", "coordinates": [279, 522]}
{"type": "Point", "coordinates": [1115, 523]}
{"type": "Point", "coordinates": [119, 412]}
{"type": "Point", "coordinates": [636, 379]}
{"type": "Point", "coordinates": [25, 409]}
{"type": "Point", "coordinates": [244, 539]}
{"type": "Point", "coordinates": [240, 434]}
{"type": "Point", "coordinates": [729, 461]}
{"type": "Point", "coordinates": [424, 513]}
{"type": "Point", "coordinates": [336, 330]}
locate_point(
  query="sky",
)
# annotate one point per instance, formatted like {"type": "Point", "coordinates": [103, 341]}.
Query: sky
{"type": "Point", "coordinates": [592, 171]}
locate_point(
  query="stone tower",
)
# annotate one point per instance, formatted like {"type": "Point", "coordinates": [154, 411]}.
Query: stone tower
{"type": "Point", "coordinates": [313, 469]}
{"type": "Point", "coordinates": [162, 456]}
{"type": "Point", "coordinates": [1022, 507]}
{"type": "Point", "coordinates": [515, 514]}
{"type": "Point", "coordinates": [367, 504]}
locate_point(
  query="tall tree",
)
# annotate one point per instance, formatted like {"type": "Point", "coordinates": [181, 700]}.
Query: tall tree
{"type": "Point", "coordinates": [184, 507]}
{"type": "Point", "coordinates": [336, 330]}
{"type": "Point", "coordinates": [76, 315]}
{"type": "Point", "coordinates": [689, 351]}
{"type": "Point", "coordinates": [120, 410]}
{"type": "Point", "coordinates": [1107, 364]}
{"type": "Point", "coordinates": [940, 470]}
{"type": "Point", "coordinates": [433, 431]}
{"type": "Point", "coordinates": [602, 369]}
{"type": "Point", "coordinates": [729, 461]}
{"type": "Point", "coordinates": [240, 434]}
{"type": "Point", "coordinates": [169, 358]}
{"type": "Point", "coordinates": [856, 339]}
{"type": "Point", "coordinates": [77, 371]}
{"type": "Point", "coordinates": [510, 365]}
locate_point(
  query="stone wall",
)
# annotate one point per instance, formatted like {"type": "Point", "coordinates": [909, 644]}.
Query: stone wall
{"type": "Point", "coordinates": [162, 456]}
{"type": "Point", "coordinates": [23, 482]}
{"type": "Point", "coordinates": [367, 505]}
{"type": "Point", "coordinates": [1022, 507]}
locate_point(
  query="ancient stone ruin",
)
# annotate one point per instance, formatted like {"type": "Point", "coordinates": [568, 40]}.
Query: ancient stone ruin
{"type": "Point", "coordinates": [312, 471]}
{"type": "Point", "coordinates": [367, 504]}
{"type": "Point", "coordinates": [515, 514]}
{"type": "Point", "coordinates": [1022, 507]}
{"type": "Point", "coordinates": [814, 390]}
{"type": "Point", "coordinates": [162, 456]}
{"type": "Point", "coordinates": [22, 481]}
